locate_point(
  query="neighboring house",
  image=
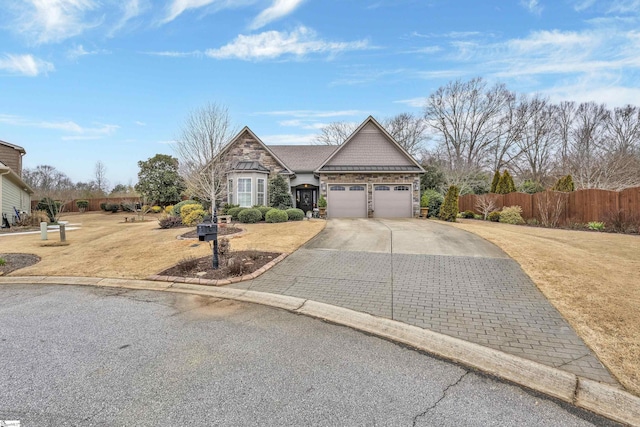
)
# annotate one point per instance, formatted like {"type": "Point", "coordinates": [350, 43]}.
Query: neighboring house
{"type": "Point", "coordinates": [369, 176]}
{"type": "Point", "coordinates": [15, 194]}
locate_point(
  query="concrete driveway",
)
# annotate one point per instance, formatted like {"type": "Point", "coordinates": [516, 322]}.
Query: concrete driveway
{"type": "Point", "coordinates": [428, 274]}
{"type": "Point", "coordinates": [402, 236]}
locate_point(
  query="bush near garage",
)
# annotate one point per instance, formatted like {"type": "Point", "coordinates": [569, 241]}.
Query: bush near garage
{"type": "Point", "coordinates": [276, 215]}
{"type": "Point", "coordinates": [295, 214]}
{"type": "Point", "coordinates": [449, 209]}
{"type": "Point", "coordinates": [249, 216]}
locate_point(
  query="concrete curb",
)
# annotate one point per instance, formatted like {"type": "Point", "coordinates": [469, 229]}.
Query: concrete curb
{"type": "Point", "coordinates": [220, 282]}
{"type": "Point", "coordinates": [593, 396]}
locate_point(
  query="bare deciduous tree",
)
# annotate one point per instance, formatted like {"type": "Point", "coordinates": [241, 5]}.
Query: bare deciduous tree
{"type": "Point", "coordinates": [204, 134]}
{"type": "Point", "coordinates": [335, 133]}
{"type": "Point", "coordinates": [100, 177]}
{"type": "Point", "coordinates": [551, 205]}
{"type": "Point", "coordinates": [408, 130]}
{"type": "Point", "coordinates": [486, 203]}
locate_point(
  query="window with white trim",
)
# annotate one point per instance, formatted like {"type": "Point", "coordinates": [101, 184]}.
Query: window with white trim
{"type": "Point", "coordinates": [260, 193]}
{"type": "Point", "coordinates": [401, 188]}
{"type": "Point", "coordinates": [382, 188]}
{"type": "Point", "coordinates": [230, 191]}
{"type": "Point", "coordinates": [337, 188]}
{"type": "Point", "coordinates": [356, 188]}
{"type": "Point", "coordinates": [244, 192]}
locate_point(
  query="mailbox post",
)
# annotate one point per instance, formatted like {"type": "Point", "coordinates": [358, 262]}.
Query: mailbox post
{"type": "Point", "coordinates": [208, 232]}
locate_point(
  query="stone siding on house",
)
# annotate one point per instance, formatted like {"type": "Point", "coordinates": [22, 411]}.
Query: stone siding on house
{"type": "Point", "coordinates": [374, 178]}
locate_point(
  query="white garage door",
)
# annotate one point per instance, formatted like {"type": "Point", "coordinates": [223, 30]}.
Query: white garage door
{"type": "Point", "coordinates": [392, 201]}
{"type": "Point", "coordinates": [347, 201]}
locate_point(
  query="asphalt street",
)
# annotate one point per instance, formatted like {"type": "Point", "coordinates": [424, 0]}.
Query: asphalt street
{"type": "Point", "coordinates": [94, 356]}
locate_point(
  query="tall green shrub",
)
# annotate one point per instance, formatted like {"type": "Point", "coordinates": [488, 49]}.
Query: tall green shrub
{"type": "Point", "coordinates": [449, 209]}
{"type": "Point", "coordinates": [279, 196]}
{"type": "Point", "coordinates": [565, 184]}
{"type": "Point", "coordinates": [435, 200]}
{"type": "Point", "coordinates": [494, 183]}
{"type": "Point", "coordinates": [505, 184]}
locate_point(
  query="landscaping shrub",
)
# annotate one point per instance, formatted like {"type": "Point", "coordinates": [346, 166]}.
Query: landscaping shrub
{"type": "Point", "coordinates": [494, 216]}
{"type": "Point", "coordinates": [435, 201]}
{"type": "Point", "coordinates": [224, 210]}
{"type": "Point", "coordinates": [596, 226]}
{"type": "Point", "coordinates": [276, 215]}
{"type": "Point", "coordinates": [33, 219]}
{"type": "Point", "coordinates": [50, 206]}
{"type": "Point", "coordinates": [187, 209]}
{"type": "Point", "coordinates": [449, 209]}
{"type": "Point", "coordinates": [531, 187]}
{"type": "Point", "coordinates": [112, 207]}
{"type": "Point", "coordinates": [533, 222]}
{"type": "Point", "coordinates": [2, 262]}
{"type": "Point", "coordinates": [128, 207]}
{"type": "Point", "coordinates": [322, 202]}
{"type": "Point", "coordinates": [82, 205]}
{"type": "Point", "coordinates": [263, 210]}
{"type": "Point", "coordinates": [279, 193]}
{"type": "Point", "coordinates": [468, 214]}
{"type": "Point", "coordinates": [424, 201]}
{"type": "Point", "coordinates": [249, 216]}
{"type": "Point", "coordinates": [193, 217]}
{"type": "Point", "coordinates": [187, 264]}
{"type": "Point", "coordinates": [178, 206]}
{"type": "Point", "coordinates": [156, 209]}
{"type": "Point", "coordinates": [511, 215]}
{"type": "Point", "coordinates": [620, 222]}
{"type": "Point", "coordinates": [170, 221]}
{"type": "Point", "coordinates": [234, 212]}
{"type": "Point", "coordinates": [495, 181]}
{"type": "Point", "coordinates": [103, 206]}
{"type": "Point", "coordinates": [295, 214]}
{"type": "Point", "coordinates": [168, 210]}
{"type": "Point", "coordinates": [505, 184]}
{"type": "Point", "coordinates": [564, 184]}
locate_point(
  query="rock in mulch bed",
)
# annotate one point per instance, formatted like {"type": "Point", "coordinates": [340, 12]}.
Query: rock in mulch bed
{"type": "Point", "coordinates": [234, 264]}
{"type": "Point", "coordinates": [13, 262]}
{"type": "Point", "coordinates": [222, 231]}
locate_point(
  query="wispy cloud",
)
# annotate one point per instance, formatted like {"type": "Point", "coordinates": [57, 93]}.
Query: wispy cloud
{"type": "Point", "coordinates": [139, 123]}
{"type": "Point", "coordinates": [533, 6]}
{"type": "Point", "coordinates": [79, 51]}
{"type": "Point", "coordinates": [98, 130]}
{"type": "Point", "coordinates": [273, 44]}
{"type": "Point", "coordinates": [26, 65]}
{"type": "Point", "coordinates": [178, 7]}
{"type": "Point", "coordinates": [130, 10]}
{"type": "Point", "coordinates": [277, 10]}
{"type": "Point", "coordinates": [418, 102]}
{"type": "Point", "coordinates": [48, 21]}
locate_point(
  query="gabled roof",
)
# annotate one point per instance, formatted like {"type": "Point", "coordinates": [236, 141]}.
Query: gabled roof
{"type": "Point", "coordinates": [15, 147]}
{"type": "Point", "coordinates": [370, 148]}
{"type": "Point", "coordinates": [254, 136]}
{"type": "Point", "coordinates": [303, 158]}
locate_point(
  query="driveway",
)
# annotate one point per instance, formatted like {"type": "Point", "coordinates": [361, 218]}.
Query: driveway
{"type": "Point", "coordinates": [79, 356]}
{"type": "Point", "coordinates": [428, 274]}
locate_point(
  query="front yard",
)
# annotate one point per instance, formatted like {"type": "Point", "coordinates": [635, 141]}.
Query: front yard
{"type": "Point", "coordinates": [106, 246]}
{"type": "Point", "coordinates": [593, 279]}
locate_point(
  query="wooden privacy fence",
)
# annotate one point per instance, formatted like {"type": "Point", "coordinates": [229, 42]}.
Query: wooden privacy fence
{"type": "Point", "coordinates": [579, 206]}
{"type": "Point", "coordinates": [94, 204]}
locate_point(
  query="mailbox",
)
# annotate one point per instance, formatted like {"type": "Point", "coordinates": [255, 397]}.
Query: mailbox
{"type": "Point", "coordinates": [207, 231]}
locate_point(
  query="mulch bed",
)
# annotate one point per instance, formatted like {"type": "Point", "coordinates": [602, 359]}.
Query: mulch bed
{"type": "Point", "coordinates": [242, 262]}
{"type": "Point", "coordinates": [17, 261]}
{"type": "Point", "coordinates": [222, 231]}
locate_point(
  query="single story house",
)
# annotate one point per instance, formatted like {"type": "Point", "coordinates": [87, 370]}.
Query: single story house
{"type": "Point", "coordinates": [368, 176]}
{"type": "Point", "coordinates": [15, 194]}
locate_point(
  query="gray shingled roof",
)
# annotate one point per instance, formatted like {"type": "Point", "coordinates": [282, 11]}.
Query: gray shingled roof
{"type": "Point", "coordinates": [302, 158]}
{"type": "Point", "coordinates": [358, 168]}
{"type": "Point", "coordinates": [245, 165]}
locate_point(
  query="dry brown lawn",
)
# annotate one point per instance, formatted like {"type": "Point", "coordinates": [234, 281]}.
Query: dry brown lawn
{"type": "Point", "coordinates": [106, 246]}
{"type": "Point", "coordinates": [593, 279]}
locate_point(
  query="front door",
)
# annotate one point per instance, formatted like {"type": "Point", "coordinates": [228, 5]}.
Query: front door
{"type": "Point", "coordinates": [306, 200]}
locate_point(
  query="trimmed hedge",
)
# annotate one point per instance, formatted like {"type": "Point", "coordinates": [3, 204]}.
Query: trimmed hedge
{"type": "Point", "coordinates": [276, 215]}
{"type": "Point", "coordinates": [511, 215]}
{"type": "Point", "coordinates": [295, 214]}
{"type": "Point", "coordinates": [263, 210]}
{"type": "Point", "coordinates": [249, 216]}
{"type": "Point", "coordinates": [494, 216]}
{"type": "Point", "coordinates": [449, 209]}
{"type": "Point", "coordinates": [170, 221]}
{"type": "Point", "coordinates": [234, 212]}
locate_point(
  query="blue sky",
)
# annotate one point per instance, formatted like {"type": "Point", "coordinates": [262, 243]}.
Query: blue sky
{"type": "Point", "coordinates": [89, 80]}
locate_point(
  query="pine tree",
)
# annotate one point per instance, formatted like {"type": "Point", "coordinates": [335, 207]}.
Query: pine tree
{"type": "Point", "coordinates": [509, 184]}
{"type": "Point", "coordinates": [449, 209]}
{"type": "Point", "coordinates": [564, 183]}
{"type": "Point", "coordinates": [279, 196]}
{"type": "Point", "coordinates": [494, 183]}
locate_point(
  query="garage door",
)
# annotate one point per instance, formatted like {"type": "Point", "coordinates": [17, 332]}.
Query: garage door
{"type": "Point", "coordinates": [347, 201]}
{"type": "Point", "coordinates": [392, 201]}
